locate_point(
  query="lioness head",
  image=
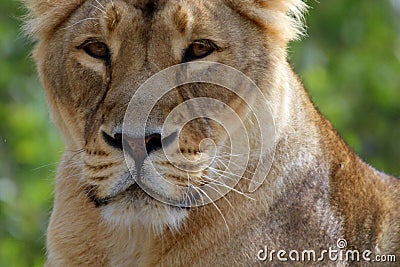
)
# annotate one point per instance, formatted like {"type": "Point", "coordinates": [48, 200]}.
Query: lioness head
{"type": "Point", "coordinates": [93, 55]}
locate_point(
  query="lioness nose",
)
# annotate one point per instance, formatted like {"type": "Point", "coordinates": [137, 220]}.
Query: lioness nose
{"type": "Point", "coordinates": [139, 148]}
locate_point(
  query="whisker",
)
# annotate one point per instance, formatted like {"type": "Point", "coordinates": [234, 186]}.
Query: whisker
{"type": "Point", "coordinates": [231, 188]}
{"type": "Point", "coordinates": [233, 155]}
{"type": "Point", "coordinates": [188, 197]}
{"type": "Point", "coordinates": [201, 197]}
{"type": "Point", "coordinates": [101, 10]}
{"type": "Point", "coordinates": [76, 23]}
{"type": "Point", "coordinates": [226, 174]}
{"type": "Point", "coordinates": [220, 212]}
{"type": "Point", "coordinates": [69, 162]}
{"type": "Point", "coordinates": [97, 1]}
{"type": "Point", "coordinates": [44, 166]}
{"type": "Point", "coordinates": [235, 164]}
{"type": "Point", "coordinates": [235, 190]}
{"type": "Point", "coordinates": [188, 189]}
{"type": "Point", "coordinates": [75, 151]}
{"type": "Point", "coordinates": [222, 195]}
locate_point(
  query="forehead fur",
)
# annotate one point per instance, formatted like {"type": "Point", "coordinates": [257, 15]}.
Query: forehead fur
{"type": "Point", "coordinates": [282, 18]}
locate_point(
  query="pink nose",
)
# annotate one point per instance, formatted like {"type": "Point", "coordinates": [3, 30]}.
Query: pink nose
{"type": "Point", "coordinates": [139, 148]}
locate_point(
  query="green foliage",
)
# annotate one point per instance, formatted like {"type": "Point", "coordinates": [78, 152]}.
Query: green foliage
{"type": "Point", "coordinates": [350, 64]}
{"type": "Point", "coordinates": [29, 149]}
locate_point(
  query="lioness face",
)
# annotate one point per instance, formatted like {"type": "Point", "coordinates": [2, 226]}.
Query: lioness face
{"type": "Point", "coordinates": [98, 58]}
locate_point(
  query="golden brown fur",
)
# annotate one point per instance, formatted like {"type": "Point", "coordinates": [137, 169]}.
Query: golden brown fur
{"type": "Point", "coordinates": [317, 191]}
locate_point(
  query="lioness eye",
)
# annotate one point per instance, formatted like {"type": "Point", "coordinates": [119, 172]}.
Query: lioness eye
{"type": "Point", "coordinates": [199, 49]}
{"type": "Point", "coordinates": [97, 50]}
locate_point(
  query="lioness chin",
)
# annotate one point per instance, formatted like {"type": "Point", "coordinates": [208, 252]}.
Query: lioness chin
{"type": "Point", "coordinates": [92, 57]}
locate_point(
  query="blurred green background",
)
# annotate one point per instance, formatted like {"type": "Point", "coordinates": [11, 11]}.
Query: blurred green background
{"type": "Point", "coordinates": [350, 63]}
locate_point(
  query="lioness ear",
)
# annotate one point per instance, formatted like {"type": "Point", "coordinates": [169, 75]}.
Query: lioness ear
{"type": "Point", "coordinates": [46, 15]}
{"type": "Point", "coordinates": [281, 18]}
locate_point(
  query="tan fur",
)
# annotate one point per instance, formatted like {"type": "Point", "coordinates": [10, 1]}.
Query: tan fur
{"type": "Point", "coordinates": [317, 191]}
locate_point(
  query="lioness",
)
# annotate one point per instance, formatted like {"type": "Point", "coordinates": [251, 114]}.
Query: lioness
{"type": "Point", "coordinates": [93, 55]}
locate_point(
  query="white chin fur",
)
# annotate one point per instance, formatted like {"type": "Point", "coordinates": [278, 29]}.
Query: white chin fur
{"type": "Point", "coordinates": [155, 218]}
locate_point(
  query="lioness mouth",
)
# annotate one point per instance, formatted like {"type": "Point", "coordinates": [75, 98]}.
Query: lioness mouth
{"type": "Point", "coordinates": [100, 202]}
{"type": "Point", "coordinates": [137, 149]}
